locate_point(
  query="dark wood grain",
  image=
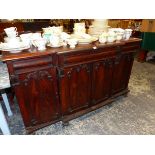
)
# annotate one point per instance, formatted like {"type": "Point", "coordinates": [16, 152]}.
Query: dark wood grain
{"type": "Point", "coordinates": [36, 89]}
{"type": "Point", "coordinates": [63, 83]}
{"type": "Point", "coordinates": [75, 87]}
{"type": "Point", "coordinates": [64, 50]}
{"type": "Point", "coordinates": [101, 82]}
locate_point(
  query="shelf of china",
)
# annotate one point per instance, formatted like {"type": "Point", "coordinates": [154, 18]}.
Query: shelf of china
{"type": "Point", "coordinates": [60, 84]}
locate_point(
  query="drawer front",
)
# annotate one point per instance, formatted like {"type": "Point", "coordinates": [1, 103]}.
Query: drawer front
{"type": "Point", "coordinates": [87, 56]}
{"type": "Point", "coordinates": [32, 64]}
{"type": "Point", "coordinates": [131, 46]}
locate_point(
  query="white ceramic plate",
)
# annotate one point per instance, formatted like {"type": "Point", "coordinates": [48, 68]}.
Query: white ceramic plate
{"type": "Point", "coordinates": [4, 47]}
{"type": "Point", "coordinates": [87, 41]}
{"type": "Point", "coordinates": [84, 41]}
{"type": "Point", "coordinates": [55, 46]}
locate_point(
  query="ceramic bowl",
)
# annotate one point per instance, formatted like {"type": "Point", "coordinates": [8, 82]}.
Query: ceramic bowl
{"type": "Point", "coordinates": [102, 39]}
{"type": "Point", "coordinates": [40, 43]}
{"type": "Point", "coordinates": [110, 39]}
{"type": "Point", "coordinates": [72, 42]}
{"type": "Point", "coordinates": [119, 37]}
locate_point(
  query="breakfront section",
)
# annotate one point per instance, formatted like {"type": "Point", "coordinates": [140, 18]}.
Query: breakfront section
{"type": "Point", "coordinates": [122, 66]}
{"type": "Point", "coordinates": [35, 84]}
{"type": "Point", "coordinates": [74, 83]}
{"type": "Point", "coordinates": [85, 79]}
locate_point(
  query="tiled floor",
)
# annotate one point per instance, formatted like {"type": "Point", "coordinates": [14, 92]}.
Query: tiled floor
{"type": "Point", "coordinates": [134, 114]}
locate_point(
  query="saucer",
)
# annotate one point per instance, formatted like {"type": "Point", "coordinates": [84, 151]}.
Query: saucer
{"type": "Point", "coordinates": [56, 46]}
{"type": "Point", "coordinates": [86, 40]}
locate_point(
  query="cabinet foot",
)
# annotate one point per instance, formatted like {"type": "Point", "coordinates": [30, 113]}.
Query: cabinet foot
{"type": "Point", "coordinates": [65, 123]}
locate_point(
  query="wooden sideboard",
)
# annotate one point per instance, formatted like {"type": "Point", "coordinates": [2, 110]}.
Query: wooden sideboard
{"type": "Point", "coordinates": [60, 84]}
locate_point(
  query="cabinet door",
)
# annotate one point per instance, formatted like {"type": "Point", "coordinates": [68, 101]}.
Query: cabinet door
{"type": "Point", "coordinates": [75, 88]}
{"type": "Point", "coordinates": [129, 58]}
{"type": "Point", "coordinates": [121, 73]}
{"type": "Point", "coordinates": [37, 96]}
{"type": "Point", "coordinates": [102, 80]}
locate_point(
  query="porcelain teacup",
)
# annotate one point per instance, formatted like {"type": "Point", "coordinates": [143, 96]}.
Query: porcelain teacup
{"type": "Point", "coordinates": [103, 37]}
{"type": "Point", "coordinates": [119, 36]}
{"type": "Point", "coordinates": [40, 44]}
{"type": "Point", "coordinates": [110, 39]}
{"type": "Point", "coordinates": [11, 31]}
{"type": "Point", "coordinates": [111, 36]}
{"type": "Point", "coordinates": [8, 39]}
{"type": "Point", "coordinates": [128, 31]}
{"type": "Point", "coordinates": [127, 36]}
{"type": "Point", "coordinates": [26, 38]}
{"type": "Point", "coordinates": [72, 42]}
{"type": "Point", "coordinates": [12, 34]}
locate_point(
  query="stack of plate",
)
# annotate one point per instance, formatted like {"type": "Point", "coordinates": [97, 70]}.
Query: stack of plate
{"type": "Point", "coordinates": [6, 47]}
{"type": "Point", "coordinates": [98, 27]}
{"type": "Point", "coordinates": [84, 39]}
{"type": "Point", "coordinates": [87, 41]}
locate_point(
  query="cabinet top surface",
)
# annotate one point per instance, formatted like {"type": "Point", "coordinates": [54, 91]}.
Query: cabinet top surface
{"type": "Point", "coordinates": [6, 56]}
